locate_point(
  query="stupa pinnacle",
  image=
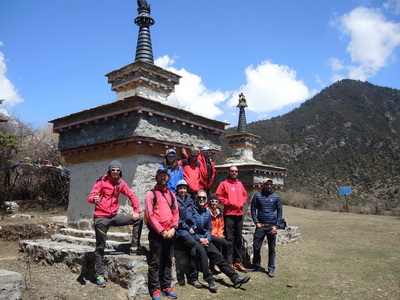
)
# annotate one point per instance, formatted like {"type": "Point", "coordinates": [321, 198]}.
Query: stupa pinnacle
{"type": "Point", "coordinates": [144, 50]}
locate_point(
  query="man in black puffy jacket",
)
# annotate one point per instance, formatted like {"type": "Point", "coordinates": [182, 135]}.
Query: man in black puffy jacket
{"type": "Point", "coordinates": [266, 212]}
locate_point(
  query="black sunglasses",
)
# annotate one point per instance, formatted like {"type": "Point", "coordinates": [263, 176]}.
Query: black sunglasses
{"type": "Point", "coordinates": [115, 170]}
{"type": "Point", "coordinates": [202, 197]}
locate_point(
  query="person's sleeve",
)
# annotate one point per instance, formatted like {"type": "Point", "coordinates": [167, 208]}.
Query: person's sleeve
{"type": "Point", "coordinates": [175, 213]}
{"type": "Point", "coordinates": [96, 190]}
{"type": "Point", "coordinates": [208, 228]}
{"type": "Point", "coordinates": [220, 193]}
{"type": "Point", "coordinates": [126, 190]}
{"type": "Point", "coordinates": [253, 209]}
{"type": "Point", "coordinates": [220, 230]}
{"type": "Point", "coordinates": [150, 215]}
{"type": "Point", "coordinates": [279, 211]}
{"type": "Point", "coordinates": [245, 196]}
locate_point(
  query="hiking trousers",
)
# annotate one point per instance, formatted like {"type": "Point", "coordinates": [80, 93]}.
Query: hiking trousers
{"type": "Point", "coordinates": [101, 226]}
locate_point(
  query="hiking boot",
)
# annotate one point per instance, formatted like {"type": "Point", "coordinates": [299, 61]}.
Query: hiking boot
{"type": "Point", "coordinates": [156, 295]}
{"type": "Point", "coordinates": [215, 270]}
{"type": "Point", "coordinates": [196, 284]}
{"type": "Point", "coordinates": [239, 266]}
{"type": "Point", "coordinates": [100, 281]}
{"type": "Point", "coordinates": [212, 286]}
{"type": "Point", "coordinates": [138, 251]}
{"type": "Point", "coordinates": [240, 280]}
{"type": "Point", "coordinates": [170, 293]}
{"type": "Point", "coordinates": [258, 269]}
{"type": "Point", "coordinates": [271, 273]}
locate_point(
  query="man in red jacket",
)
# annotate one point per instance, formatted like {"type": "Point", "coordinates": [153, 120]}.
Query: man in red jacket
{"type": "Point", "coordinates": [104, 195]}
{"type": "Point", "coordinates": [207, 170]}
{"type": "Point", "coordinates": [162, 214]}
{"type": "Point", "coordinates": [232, 194]}
{"type": "Point", "coordinates": [191, 171]}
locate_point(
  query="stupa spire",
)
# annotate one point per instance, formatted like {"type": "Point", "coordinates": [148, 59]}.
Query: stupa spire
{"type": "Point", "coordinates": [242, 115]}
{"type": "Point", "coordinates": [144, 50]}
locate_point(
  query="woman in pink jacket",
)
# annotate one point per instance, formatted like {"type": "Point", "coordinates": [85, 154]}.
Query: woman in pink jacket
{"type": "Point", "coordinates": [104, 196]}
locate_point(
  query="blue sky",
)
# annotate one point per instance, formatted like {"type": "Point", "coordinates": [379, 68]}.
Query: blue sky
{"type": "Point", "coordinates": [54, 54]}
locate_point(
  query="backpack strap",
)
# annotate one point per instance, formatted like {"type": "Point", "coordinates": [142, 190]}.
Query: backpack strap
{"type": "Point", "coordinates": [173, 207]}
{"type": "Point", "coordinates": [154, 198]}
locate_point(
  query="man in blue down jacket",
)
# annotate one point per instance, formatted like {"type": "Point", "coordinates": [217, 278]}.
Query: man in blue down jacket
{"type": "Point", "coordinates": [266, 212]}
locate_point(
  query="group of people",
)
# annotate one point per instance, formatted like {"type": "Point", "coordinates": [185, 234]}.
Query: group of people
{"type": "Point", "coordinates": [180, 209]}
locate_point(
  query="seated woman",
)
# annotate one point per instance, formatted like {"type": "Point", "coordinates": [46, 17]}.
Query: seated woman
{"type": "Point", "coordinates": [185, 231]}
{"type": "Point", "coordinates": [206, 249]}
{"type": "Point", "coordinates": [217, 232]}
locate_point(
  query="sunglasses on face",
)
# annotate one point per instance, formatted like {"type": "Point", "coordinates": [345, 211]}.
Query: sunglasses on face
{"type": "Point", "coordinates": [202, 197]}
{"type": "Point", "coordinates": [171, 155]}
{"type": "Point", "coordinates": [214, 201]}
{"type": "Point", "coordinates": [115, 170]}
{"type": "Point", "coordinates": [207, 152]}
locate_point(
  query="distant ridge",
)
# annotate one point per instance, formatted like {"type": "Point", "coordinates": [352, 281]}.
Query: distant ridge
{"type": "Point", "coordinates": [346, 135]}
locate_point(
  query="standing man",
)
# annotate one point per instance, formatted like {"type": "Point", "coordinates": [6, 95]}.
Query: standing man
{"type": "Point", "coordinates": [191, 171]}
{"type": "Point", "coordinates": [104, 195]}
{"type": "Point", "coordinates": [207, 169]}
{"type": "Point", "coordinates": [266, 212]}
{"type": "Point", "coordinates": [232, 194]}
{"type": "Point", "coordinates": [162, 215]}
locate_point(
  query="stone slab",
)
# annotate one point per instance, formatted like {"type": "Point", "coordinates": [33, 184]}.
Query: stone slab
{"type": "Point", "coordinates": [10, 285]}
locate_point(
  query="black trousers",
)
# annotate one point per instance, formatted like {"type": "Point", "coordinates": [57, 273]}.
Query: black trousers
{"type": "Point", "coordinates": [101, 226]}
{"type": "Point", "coordinates": [160, 263]}
{"type": "Point", "coordinates": [259, 236]}
{"type": "Point", "coordinates": [222, 245]}
{"type": "Point", "coordinates": [233, 234]}
{"type": "Point", "coordinates": [189, 244]}
{"type": "Point", "coordinates": [211, 252]}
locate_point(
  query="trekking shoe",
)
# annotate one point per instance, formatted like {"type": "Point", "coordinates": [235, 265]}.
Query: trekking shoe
{"type": "Point", "coordinates": [196, 284]}
{"type": "Point", "coordinates": [239, 266]}
{"type": "Point", "coordinates": [101, 281]}
{"type": "Point", "coordinates": [138, 251]}
{"type": "Point", "coordinates": [212, 286]}
{"type": "Point", "coordinates": [215, 270]}
{"type": "Point", "coordinates": [271, 273]}
{"type": "Point", "coordinates": [170, 293]}
{"type": "Point", "coordinates": [240, 280]}
{"type": "Point", "coordinates": [156, 295]}
{"type": "Point", "coordinates": [258, 269]}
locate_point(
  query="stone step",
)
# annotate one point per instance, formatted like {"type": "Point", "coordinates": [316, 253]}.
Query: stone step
{"type": "Point", "coordinates": [10, 285]}
{"type": "Point", "coordinates": [123, 237]}
{"type": "Point", "coordinates": [128, 271]}
{"type": "Point", "coordinates": [91, 242]}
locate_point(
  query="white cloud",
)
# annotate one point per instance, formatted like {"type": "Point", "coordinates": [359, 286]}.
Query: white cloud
{"type": "Point", "coordinates": [393, 6]}
{"type": "Point", "coordinates": [191, 94]}
{"type": "Point", "coordinates": [270, 87]}
{"type": "Point", "coordinates": [336, 64]}
{"type": "Point", "coordinates": [8, 92]}
{"type": "Point", "coordinates": [372, 41]}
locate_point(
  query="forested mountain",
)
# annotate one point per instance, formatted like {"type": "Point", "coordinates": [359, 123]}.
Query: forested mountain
{"type": "Point", "coordinates": [346, 135]}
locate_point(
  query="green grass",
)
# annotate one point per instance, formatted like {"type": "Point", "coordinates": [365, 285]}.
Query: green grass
{"type": "Point", "coordinates": [341, 256]}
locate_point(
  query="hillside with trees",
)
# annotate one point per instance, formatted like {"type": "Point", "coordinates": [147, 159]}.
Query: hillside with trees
{"type": "Point", "coordinates": [346, 135]}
